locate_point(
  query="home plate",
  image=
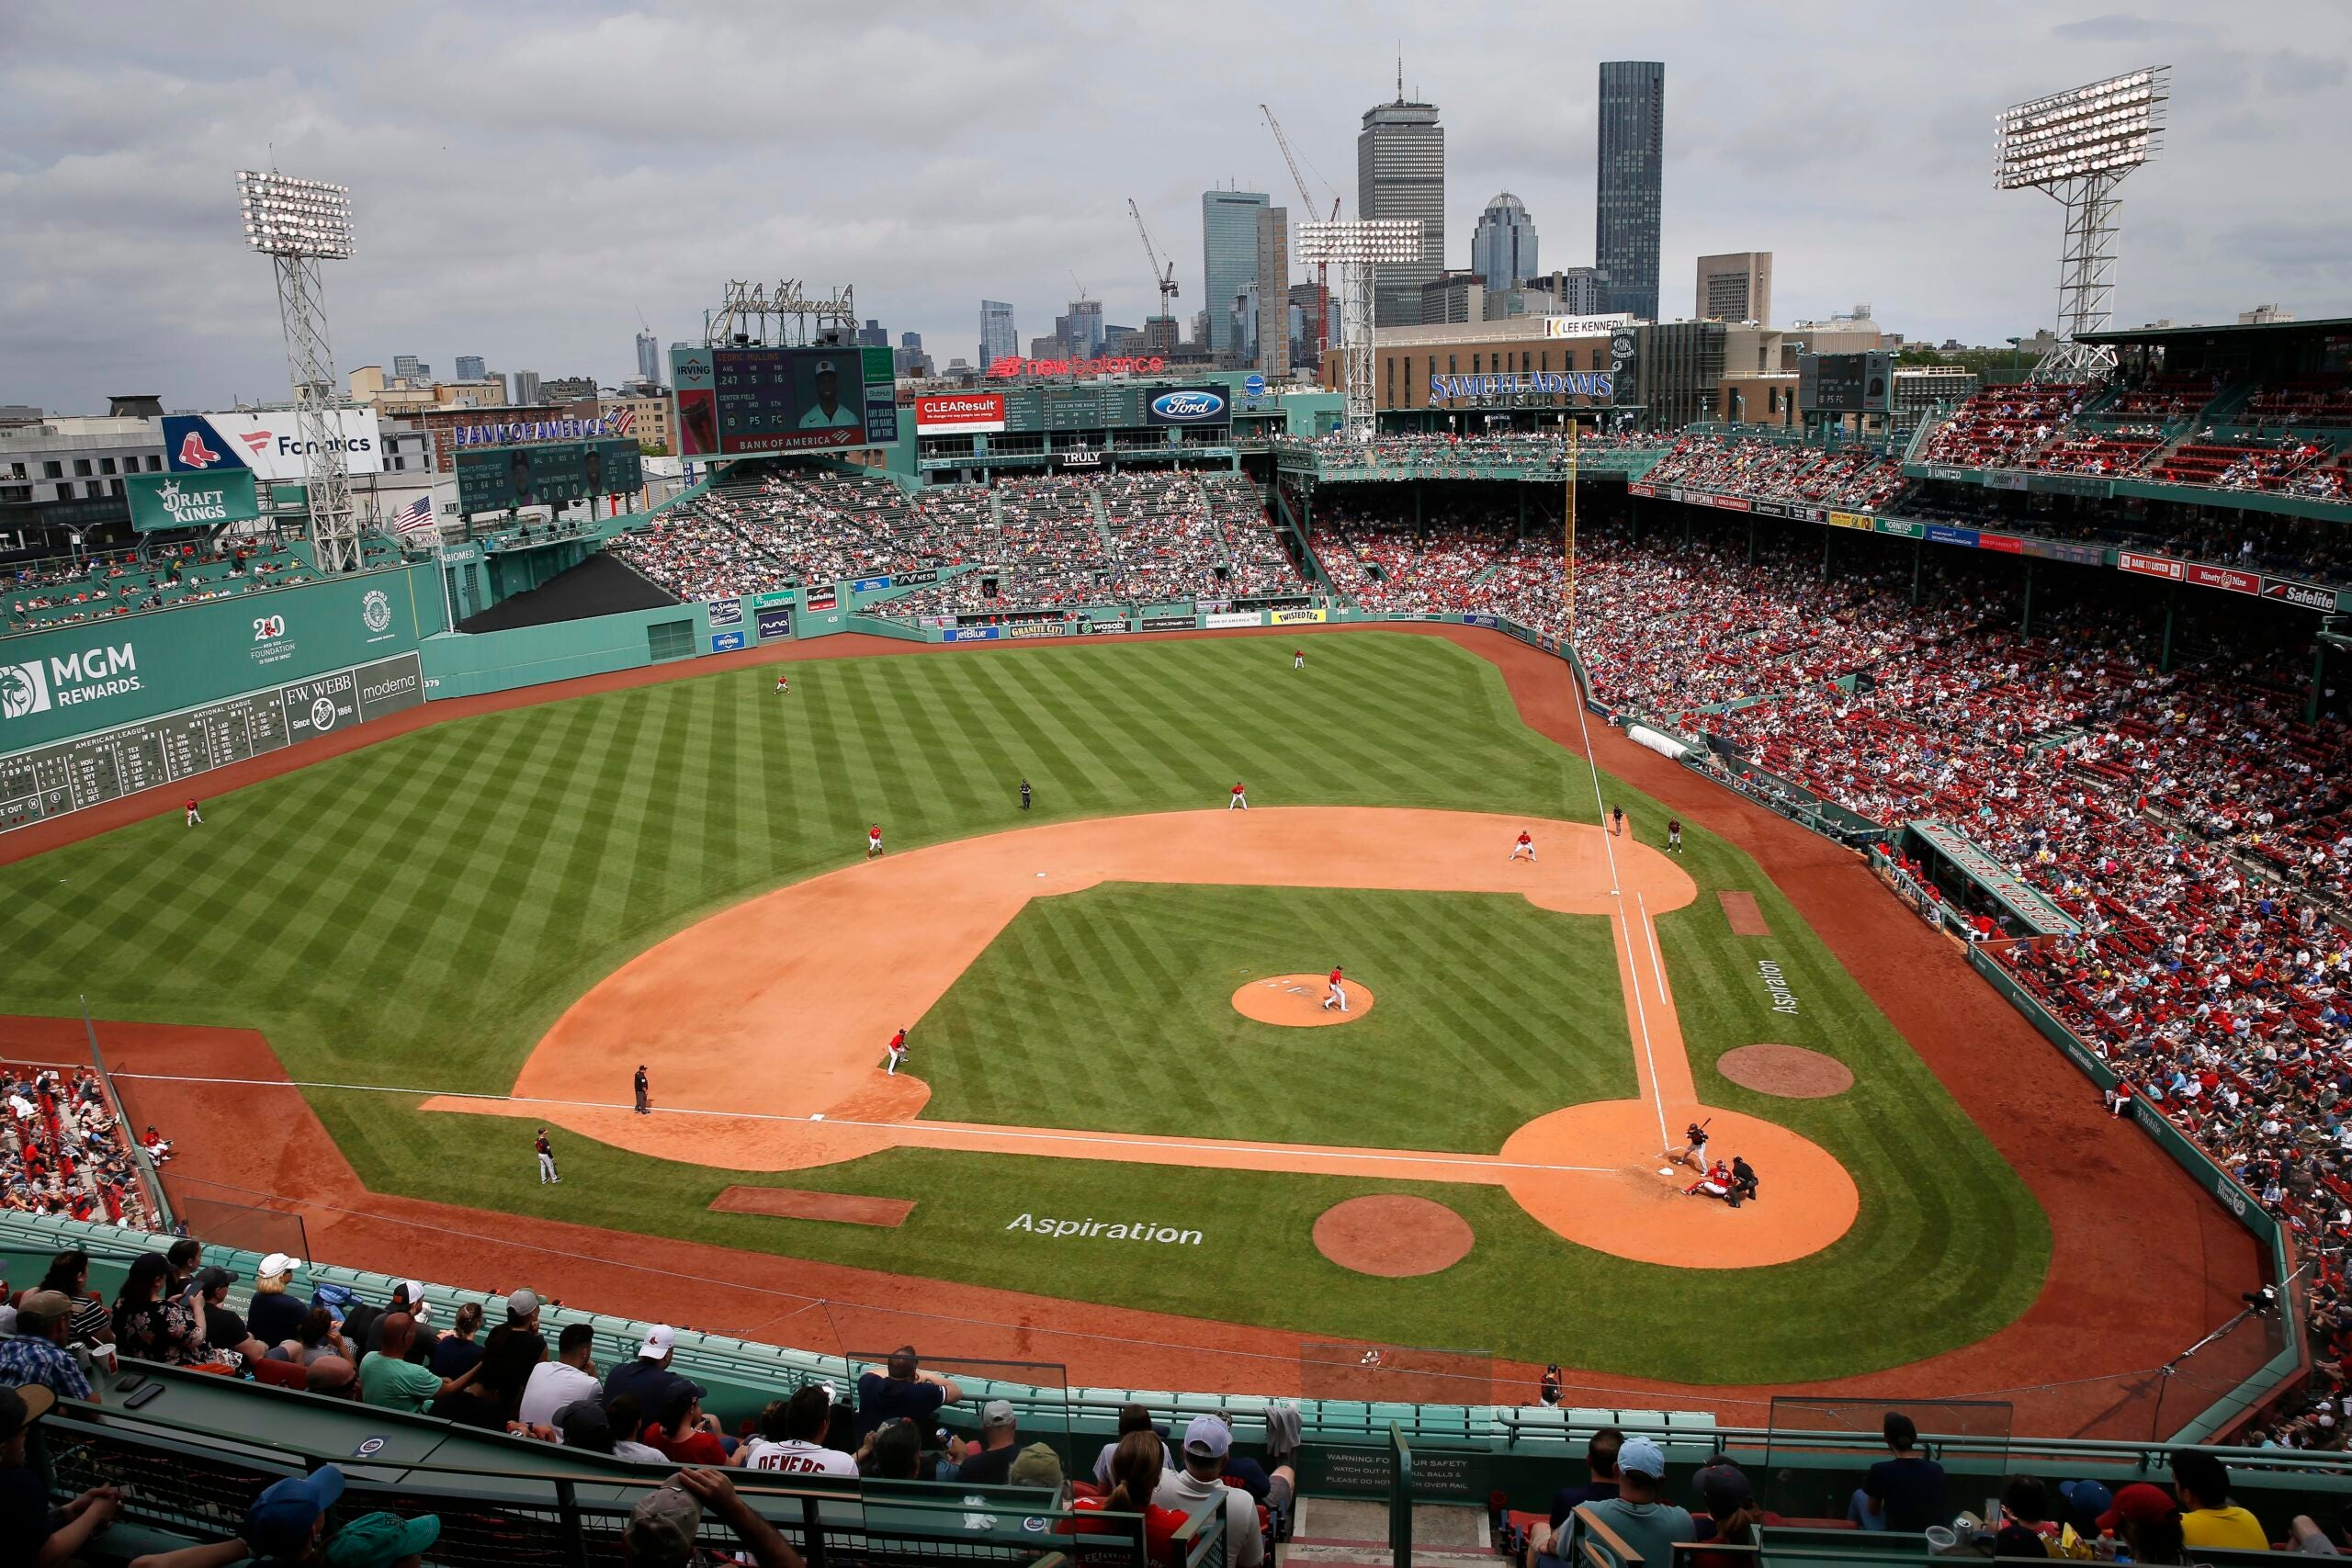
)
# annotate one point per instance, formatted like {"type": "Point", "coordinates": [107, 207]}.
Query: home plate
{"type": "Point", "coordinates": [818, 1116]}
{"type": "Point", "coordinates": [1666, 1170]}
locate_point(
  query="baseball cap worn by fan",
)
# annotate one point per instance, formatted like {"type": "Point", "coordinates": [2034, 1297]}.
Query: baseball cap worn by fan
{"type": "Point", "coordinates": [276, 1264]}
{"type": "Point", "coordinates": [39, 1309]}
{"type": "Point", "coordinates": [1721, 1486]}
{"type": "Point", "coordinates": [1037, 1465]}
{"type": "Point", "coordinates": [1643, 1456]}
{"type": "Point", "coordinates": [659, 1341]}
{"type": "Point", "coordinates": [20, 1407]}
{"type": "Point", "coordinates": [997, 1412]}
{"type": "Point", "coordinates": [2088, 1499]}
{"type": "Point", "coordinates": [280, 1521]}
{"type": "Point", "coordinates": [661, 1530]}
{"type": "Point", "coordinates": [1208, 1437]}
{"type": "Point", "coordinates": [378, 1540]}
{"type": "Point", "coordinates": [2139, 1501]}
{"type": "Point", "coordinates": [212, 1277]}
{"type": "Point", "coordinates": [521, 1306]}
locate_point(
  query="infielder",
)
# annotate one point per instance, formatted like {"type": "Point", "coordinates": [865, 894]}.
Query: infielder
{"type": "Point", "coordinates": [546, 1159]}
{"type": "Point", "coordinates": [1241, 801]}
{"type": "Point", "coordinates": [1526, 845]}
{"type": "Point", "coordinates": [874, 841]}
{"type": "Point", "coordinates": [1674, 835]}
{"type": "Point", "coordinates": [1338, 995]}
{"type": "Point", "coordinates": [897, 1051]}
{"type": "Point", "coordinates": [1694, 1149]}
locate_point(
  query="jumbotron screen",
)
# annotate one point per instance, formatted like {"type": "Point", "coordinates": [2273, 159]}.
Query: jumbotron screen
{"type": "Point", "coordinates": [498, 478]}
{"type": "Point", "coordinates": [737, 400]}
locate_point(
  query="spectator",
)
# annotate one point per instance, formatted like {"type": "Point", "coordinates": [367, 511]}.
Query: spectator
{"type": "Point", "coordinates": [36, 1353]}
{"type": "Point", "coordinates": [1904, 1493]}
{"type": "Point", "coordinates": [185, 1256]}
{"type": "Point", "coordinates": [41, 1536]}
{"type": "Point", "coordinates": [1650, 1526]}
{"type": "Point", "coordinates": [408, 1296]}
{"type": "Point", "coordinates": [2208, 1517]}
{"type": "Point", "coordinates": [69, 1274]}
{"type": "Point", "coordinates": [905, 1391]}
{"type": "Point", "coordinates": [1037, 1465]}
{"type": "Point", "coordinates": [791, 1436]}
{"type": "Point", "coordinates": [664, 1527]}
{"type": "Point", "coordinates": [383, 1540]}
{"type": "Point", "coordinates": [2084, 1502]}
{"type": "Point", "coordinates": [684, 1433]}
{"type": "Point", "coordinates": [1132, 1418]}
{"type": "Point", "coordinates": [488, 1403]}
{"type": "Point", "coordinates": [1601, 1467]}
{"type": "Point", "coordinates": [626, 1418]}
{"type": "Point", "coordinates": [892, 1452]}
{"type": "Point", "coordinates": [333, 1377]}
{"type": "Point", "coordinates": [2025, 1528]}
{"type": "Point", "coordinates": [318, 1337]}
{"type": "Point", "coordinates": [274, 1315]}
{"type": "Point", "coordinates": [2150, 1522]}
{"type": "Point", "coordinates": [1732, 1516]}
{"type": "Point", "coordinates": [515, 1347]}
{"type": "Point", "coordinates": [224, 1331]}
{"type": "Point", "coordinates": [570, 1376]}
{"type": "Point", "coordinates": [1200, 1485]}
{"type": "Point", "coordinates": [583, 1424]}
{"type": "Point", "coordinates": [151, 1326]}
{"type": "Point", "coordinates": [285, 1523]}
{"type": "Point", "coordinates": [987, 1464]}
{"type": "Point", "coordinates": [388, 1378]}
{"type": "Point", "coordinates": [455, 1353]}
{"type": "Point", "coordinates": [648, 1374]}
{"type": "Point", "coordinates": [1137, 1467]}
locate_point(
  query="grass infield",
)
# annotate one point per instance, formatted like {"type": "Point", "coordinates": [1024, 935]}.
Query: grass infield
{"type": "Point", "coordinates": [418, 913]}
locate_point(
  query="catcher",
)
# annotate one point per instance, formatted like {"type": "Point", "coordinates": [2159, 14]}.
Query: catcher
{"type": "Point", "coordinates": [1714, 1183]}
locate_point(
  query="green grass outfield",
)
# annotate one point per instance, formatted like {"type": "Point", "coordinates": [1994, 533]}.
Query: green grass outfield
{"type": "Point", "coordinates": [417, 913]}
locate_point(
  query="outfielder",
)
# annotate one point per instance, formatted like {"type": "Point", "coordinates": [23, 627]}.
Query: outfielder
{"type": "Point", "coordinates": [1298, 659]}
{"type": "Point", "coordinates": [1241, 801]}
{"type": "Point", "coordinates": [546, 1159]}
{"type": "Point", "coordinates": [874, 841]}
{"type": "Point", "coordinates": [195, 818]}
{"type": "Point", "coordinates": [897, 1051]}
{"type": "Point", "coordinates": [1337, 996]}
{"type": "Point", "coordinates": [782, 685]}
{"type": "Point", "coordinates": [1526, 845]}
{"type": "Point", "coordinates": [1694, 1149]}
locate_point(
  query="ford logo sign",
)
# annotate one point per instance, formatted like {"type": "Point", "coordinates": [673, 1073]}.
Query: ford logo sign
{"type": "Point", "coordinates": [1188, 405]}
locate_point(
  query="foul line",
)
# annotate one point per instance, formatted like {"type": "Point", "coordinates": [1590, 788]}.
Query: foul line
{"type": "Point", "coordinates": [1657, 965]}
{"type": "Point", "coordinates": [951, 1128]}
{"type": "Point", "coordinates": [1642, 1016]}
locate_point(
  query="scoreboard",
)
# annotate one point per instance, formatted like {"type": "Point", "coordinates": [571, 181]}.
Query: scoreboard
{"type": "Point", "coordinates": [740, 400]}
{"type": "Point", "coordinates": [89, 770]}
{"type": "Point", "coordinates": [498, 478]}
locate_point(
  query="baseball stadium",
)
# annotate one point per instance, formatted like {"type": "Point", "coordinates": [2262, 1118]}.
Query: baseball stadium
{"type": "Point", "coordinates": [1456, 944]}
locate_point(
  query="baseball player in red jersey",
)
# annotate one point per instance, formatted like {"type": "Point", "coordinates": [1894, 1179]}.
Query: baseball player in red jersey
{"type": "Point", "coordinates": [1526, 845]}
{"type": "Point", "coordinates": [897, 1051]}
{"type": "Point", "coordinates": [1241, 801]}
{"type": "Point", "coordinates": [1715, 1183]}
{"type": "Point", "coordinates": [195, 818]}
{"type": "Point", "coordinates": [1298, 659]}
{"type": "Point", "coordinates": [1337, 996]}
{"type": "Point", "coordinates": [783, 684]}
{"type": "Point", "coordinates": [874, 841]}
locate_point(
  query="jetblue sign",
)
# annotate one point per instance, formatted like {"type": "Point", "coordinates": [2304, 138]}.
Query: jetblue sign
{"type": "Point", "coordinates": [1187, 405]}
{"type": "Point", "coordinates": [1599, 385]}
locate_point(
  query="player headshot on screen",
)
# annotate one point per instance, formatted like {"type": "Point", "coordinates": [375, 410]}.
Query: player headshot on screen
{"type": "Point", "coordinates": [595, 473]}
{"type": "Point", "coordinates": [829, 413]}
{"type": "Point", "coordinates": [698, 421]}
{"type": "Point", "coordinates": [518, 475]}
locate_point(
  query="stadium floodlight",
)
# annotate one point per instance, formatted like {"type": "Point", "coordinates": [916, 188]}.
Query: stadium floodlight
{"type": "Point", "coordinates": [2076, 146]}
{"type": "Point", "coordinates": [299, 224]}
{"type": "Point", "coordinates": [1359, 247]}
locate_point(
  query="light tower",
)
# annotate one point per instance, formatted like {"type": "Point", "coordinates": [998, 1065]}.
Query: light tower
{"type": "Point", "coordinates": [299, 224]}
{"type": "Point", "coordinates": [2076, 146]}
{"type": "Point", "coordinates": [1359, 246]}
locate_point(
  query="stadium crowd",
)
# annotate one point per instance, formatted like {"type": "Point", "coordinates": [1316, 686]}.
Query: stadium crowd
{"type": "Point", "coordinates": [63, 1151]}
{"type": "Point", "coordinates": [42, 594]}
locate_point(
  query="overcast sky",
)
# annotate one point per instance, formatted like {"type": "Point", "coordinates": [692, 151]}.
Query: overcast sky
{"type": "Point", "coordinates": [528, 178]}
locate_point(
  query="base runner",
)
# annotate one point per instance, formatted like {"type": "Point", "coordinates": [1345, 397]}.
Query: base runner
{"type": "Point", "coordinates": [1526, 845]}
{"type": "Point", "coordinates": [1338, 995]}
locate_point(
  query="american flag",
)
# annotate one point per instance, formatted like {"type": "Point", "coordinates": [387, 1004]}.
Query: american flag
{"type": "Point", "coordinates": [620, 421]}
{"type": "Point", "coordinates": [415, 517]}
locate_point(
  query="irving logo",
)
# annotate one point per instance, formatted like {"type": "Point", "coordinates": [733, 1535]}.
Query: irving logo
{"type": "Point", "coordinates": [24, 690]}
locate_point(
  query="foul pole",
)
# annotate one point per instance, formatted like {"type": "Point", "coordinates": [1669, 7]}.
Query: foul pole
{"type": "Point", "coordinates": [1568, 540]}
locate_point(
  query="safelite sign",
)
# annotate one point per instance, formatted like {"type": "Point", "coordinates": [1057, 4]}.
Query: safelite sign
{"type": "Point", "coordinates": [975, 413]}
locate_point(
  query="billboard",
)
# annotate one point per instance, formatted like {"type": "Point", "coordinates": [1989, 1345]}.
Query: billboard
{"type": "Point", "coordinates": [500, 479]}
{"type": "Point", "coordinates": [735, 402]}
{"type": "Point", "coordinates": [1585, 326]}
{"type": "Point", "coordinates": [1845, 383]}
{"type": "Point", "coordinates": [969, 414]}
{"type": "Point", "coordinates": [1187, 405]}
{"type": "Point", "coordinates": [268, 444]}
{"type": "Point", "coordinates": [161, 501]}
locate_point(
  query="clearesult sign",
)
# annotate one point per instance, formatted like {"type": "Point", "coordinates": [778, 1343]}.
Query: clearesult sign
{"type": "Point", "coordinates": [969, 414]}
{"type": "Point", "coordinates": [162, 501]}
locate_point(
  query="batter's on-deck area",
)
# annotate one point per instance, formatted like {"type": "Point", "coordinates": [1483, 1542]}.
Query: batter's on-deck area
{"type": "Point", "coordinates": [775, 1066]}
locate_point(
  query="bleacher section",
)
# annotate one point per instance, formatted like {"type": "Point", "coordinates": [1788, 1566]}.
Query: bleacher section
{"type": "Point", "coordinates": [39, 594]}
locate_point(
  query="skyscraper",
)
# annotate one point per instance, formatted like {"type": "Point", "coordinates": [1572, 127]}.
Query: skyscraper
{"type": "Point", "coordinates": [1625, 215]}
{"type": "Point", "coordinates": [470, 367]}
{"type": "Point", "coordinates": [409, 367]}
{"type": "Point", "coordinates": [998, 338]}
{"type": "Point", "coordinates": [1229, 260]}
{"type": "Point", "coordinates": [1272, 355]}
{"type": "Point", "coordinates": [649, 357]}
{"type": "Point", "coordinates": [1735, 288]}
{"type": "Point", "coordinates": [526, 386]}
{"type": "Point", "coordinates": [1400, 172]}
{"type": "Point", "coordinates": [873, 335]}
{"type": "Point", "coordinates": [1082, 328]}
{"type": "Point", "coordinates": [1502, 248]}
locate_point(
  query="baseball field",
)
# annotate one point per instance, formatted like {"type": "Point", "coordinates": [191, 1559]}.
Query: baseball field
{"type": "Point", "coordinates": [456, 935]}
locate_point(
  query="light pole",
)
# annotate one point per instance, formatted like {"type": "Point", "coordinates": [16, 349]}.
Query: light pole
{"type": "Point", "coordinates": [299, 224]}
{"type": "Point", "coordinates": [1360, 246]}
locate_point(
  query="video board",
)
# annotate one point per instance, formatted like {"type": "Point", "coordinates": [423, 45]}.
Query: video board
{"type": "Point", "coordinates": [499, 479]}
{"type": "Point", "coordinates": [740, 400]}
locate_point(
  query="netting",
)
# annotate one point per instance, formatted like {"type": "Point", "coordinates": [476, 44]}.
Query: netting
{"type": "Point", "coordinates": [247, 1227]}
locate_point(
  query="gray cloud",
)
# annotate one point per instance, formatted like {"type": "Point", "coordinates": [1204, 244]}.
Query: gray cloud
{"type": "Point", "coordinates": [530, 176]}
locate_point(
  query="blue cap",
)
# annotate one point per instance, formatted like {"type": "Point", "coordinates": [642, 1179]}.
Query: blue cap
{"type": "Point", "coordinates": [280, 1520]}
{"type": "Point", "coordinates": [2086, 1496]}
{"type": "Point", "coordinates": [1643, 1456]}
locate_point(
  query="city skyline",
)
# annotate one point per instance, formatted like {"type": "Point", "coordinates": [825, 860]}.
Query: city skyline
{"type": "Point", "coordinates": [127, 273]}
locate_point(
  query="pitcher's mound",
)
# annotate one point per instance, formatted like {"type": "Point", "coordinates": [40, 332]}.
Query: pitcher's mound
{"type": "Point", "coordinates": [1392, 1236]}
{"type": "Point", "coordinates": [1790, 1071]}
{"type": "Point", "coordinates": [1297, 1000]}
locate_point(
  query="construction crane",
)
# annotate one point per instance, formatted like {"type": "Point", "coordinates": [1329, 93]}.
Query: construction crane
{"type": "Point", "coordinates": [1165, 278]}
{"type": "Point", "coordinates": [1322, 269]}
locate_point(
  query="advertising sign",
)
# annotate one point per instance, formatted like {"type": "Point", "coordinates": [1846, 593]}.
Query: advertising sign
{"type": "Point", "coordinates": [1221, 620]}
{"type": "Point", "coordinates": [971, 634]}
{"type": "Point", "coordinates": [2148, 566]}
{"type": "Point", "coordinates": [1165, 624]}
{"type": "Point", "coordinates": [269, 444]}
{"type": "Point", "coordinates": [735, 401]}
{"type": "Point", "coordinates": [500, 479]}
{"type": "Point", "coordinates": [1939, 533]}
{"type": "Point", "coordinates": [1187, 405]}
{"type": "Point", "coordinates": [1012, 366]}
{"type": "Point", "coordinates": [1849, 520]}
{"type": "Point", "coordinates": [2223, 577]}
{"type": "Point", "coordinates": [965, 413]}
{"type": "Point", "coordinates": [726, 642]}
{"type": "Point", "coordinates": [1294, 618]}
{"type": "Point", "coordinates": [818, 597]}
{"type": "Point", "coordinates": [725, 612]}
{"type": "Point", "coordinates": [774, 623]}
{"type": "Point", "coordinates": [1521, 384]}
{"type": "Point", "coordinates": [2310, 595]}
{"type": "Point", "coordinates": [1585, 326]}
{"type": "Point", "coordinates": [159, 501]}
{"type": "Point", "coordinates": [2007, 544]}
